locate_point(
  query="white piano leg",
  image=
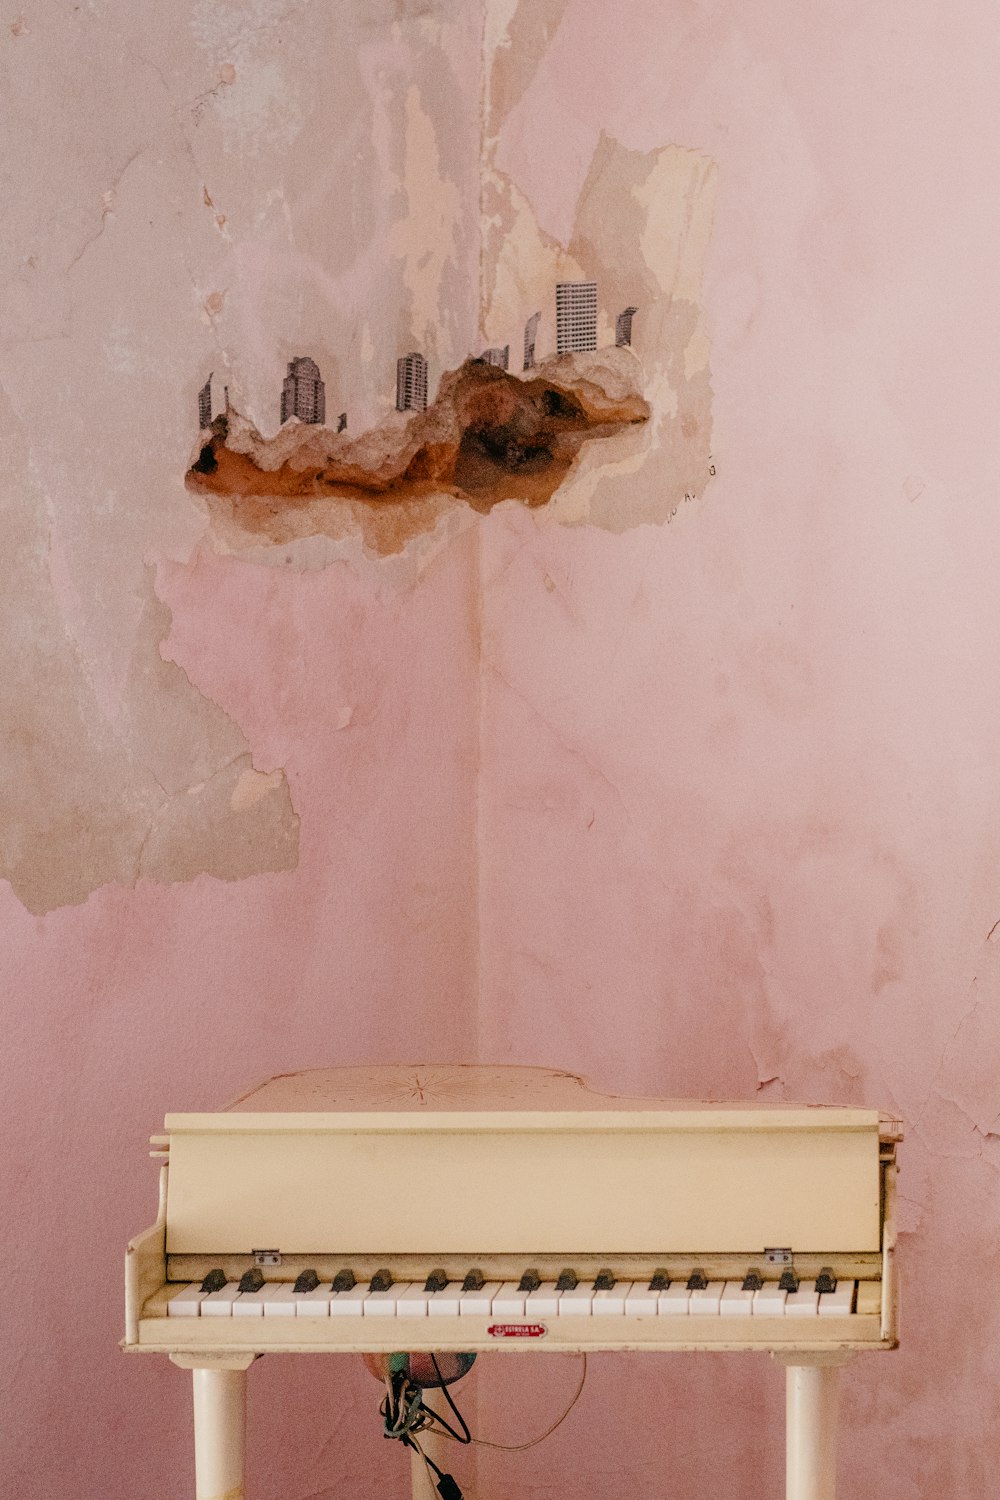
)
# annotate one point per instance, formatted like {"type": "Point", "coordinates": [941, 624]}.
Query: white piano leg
{"type": "Point", "coordinates": [811, 1424]}
{"type": "Point", "coordinates": [423, 1481]}
{"type": "Point", "coordinates": [220, 1389]}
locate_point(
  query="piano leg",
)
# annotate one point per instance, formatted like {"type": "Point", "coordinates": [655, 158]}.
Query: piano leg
{"type": "Point", "coordinates": [811, 1424]}
{"type": "Point", "coordinates": [219, 1425]}
{"type": "Point", "coordinates": [422, 1479]}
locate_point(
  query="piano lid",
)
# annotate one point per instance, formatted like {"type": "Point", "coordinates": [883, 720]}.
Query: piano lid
{"type": "Point", "coordinates": [482, 1096]}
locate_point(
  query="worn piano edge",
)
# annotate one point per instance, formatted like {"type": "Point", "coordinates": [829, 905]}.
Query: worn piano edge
{"type": "Point", "coordinates": [704, 1118]}
{"type": "Point", "coordinates": [562, 1334]}
{"type": "Point", "coordinates": [145, 1265]}
{"type": "Point", "coordinates": [890, 1290]}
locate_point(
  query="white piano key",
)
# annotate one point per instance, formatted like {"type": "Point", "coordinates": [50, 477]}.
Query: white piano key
{"type": "Point", "coordinates": [479, 1304]}
{"type": "Point", "coordinates": [447, 1302]}
{"type": "Point", "coordinates": [251, 1304]}
{"type": "Point", "coordinates": [543, 1302]}
{"type": "Point", "coordinates": [281, 1302]}
{"type": "Point", "coordinates": [577, 1303]}
{"type": "Point", "coordinates": [611, 1303]}
{"type": "Point", "coordinates": [509, 1302]}
{"type": "Point", "coordinates": [220, 1304]}
{"type": "Point", "coordinates": [383, 1304]}
{"type": "Point", "coordinates": [736, 1303]}
{"type": "Point", "coordinates": [705, 1300]}
{"type": "Point", "coordinates": [349, 1304]}
{"type": "Point", "coordinates": [674, 1301]}
{"type": "Point", "coordinates": [640, 1302]}
{"type": "Point", "coordinates": [314, 1304]}
{"type": "Point", "coordinates": [769, 1302]}
{"type": "Point", "coordinates": [837, 1304]}
{"type": "Point", "coordinates": [802, 1304]}
{"type": "Point", "coordinates": [186, 1302]}
{"type": "Point", "coordinates": [412, 1301]}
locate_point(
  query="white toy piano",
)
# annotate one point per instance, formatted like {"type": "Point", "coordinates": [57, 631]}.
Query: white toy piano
{"type": "Point", "coordinates": [476, 1209]}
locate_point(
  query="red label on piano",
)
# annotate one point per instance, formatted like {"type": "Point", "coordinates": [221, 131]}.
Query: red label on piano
{"type": "Point", "coordinates": [517, 1330]}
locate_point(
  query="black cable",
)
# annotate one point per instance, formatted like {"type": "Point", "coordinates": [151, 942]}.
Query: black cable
{"type": "Point", "coordinates": [404, 1415]}
{"type": "Point", "coordinates": [405, 1411]}
{"type": "Point", "coordinates": [448, 1397]}
{"type": "Point", "coordinates": [447, 1486]}
{"type": "Point", "coordinates": [433, 1418]}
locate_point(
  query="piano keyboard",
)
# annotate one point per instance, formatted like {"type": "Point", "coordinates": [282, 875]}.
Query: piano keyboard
{"type": "Point", "coordinates": [514, 1300]}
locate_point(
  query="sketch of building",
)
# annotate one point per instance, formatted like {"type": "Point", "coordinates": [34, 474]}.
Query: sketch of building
{"type": "Point", "coordinates": [498, 357]}
{"type": "Point", "coordinates": [303, 393]}
{"type": "Point", "coordinates": [530, 334]}
{"type": "Point", "coordinates": [576, 316]}
{"type": "Point", "coordinates": [205, 405]}
{"type": "Point", "coordinates": [411, 383]}
{"type": "Point", "coordinates": [623, 327]}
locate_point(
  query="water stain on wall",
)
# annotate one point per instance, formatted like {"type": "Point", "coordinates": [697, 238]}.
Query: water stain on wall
{"type": "Point", "coordinates": [489, 436]}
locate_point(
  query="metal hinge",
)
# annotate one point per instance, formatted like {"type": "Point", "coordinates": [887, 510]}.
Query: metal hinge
{"type": "Point", "coordinates": [778, 1257]}
{"type": "Point", "coordinates": [266, 1257]}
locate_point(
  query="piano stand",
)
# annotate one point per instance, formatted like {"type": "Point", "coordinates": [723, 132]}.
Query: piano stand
{"type": "Point", "coordinates": [220, 1384]}
{"type": "Point", "coordinates": [220, 1423]}
{"type": "Point", "coordinates": [438, 1449]}
{"type": "Point", "coordinates": [811, 1398]}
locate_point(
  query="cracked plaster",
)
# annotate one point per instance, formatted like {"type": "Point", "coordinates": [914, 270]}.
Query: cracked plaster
{"type": "Point", "coordinates": [246, 270]}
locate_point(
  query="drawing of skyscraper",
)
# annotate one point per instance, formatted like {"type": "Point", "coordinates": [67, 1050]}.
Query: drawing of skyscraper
{"type": "Point", "coordinates": [498, 357]}
{"type": "Point", "coordinates": [205, 404]}
{"type": "Point", "coordinates": [303, 393]}
{"type": "Point", "coordinates": [623, 327]}
{"type": "Point", "coordinates": [411, 383]}
{"type": "Point", "coordinates": [530, 334]}
{"type": "Point", "coordinates": [576, 316]}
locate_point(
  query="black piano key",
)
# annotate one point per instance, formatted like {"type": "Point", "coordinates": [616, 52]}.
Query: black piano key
{"type": "Point", "coordinates": [214, 1281]}
{"type": "Point", "coordinates": [604, 1281]}
{"type": "Point", "coordinates": [788, 1282]}
{"type": "Point", "coordinates": [381, 1281]}
{"type": "Point", "coordinates": [697, 1281]}
{"type": "Point", "coordinates": [474, 1280]}
{"type": "Point", "coordinates": [826, 1281]}
{"type": "Point", "coordinates": [436, 1281]}
{"type": "Point", "coordinates": [660, 1280]}
{"type": "Point", "coordinates": [530, 1281]}
{"type": "Point", "coordinates": [252, 1280]}
{"type": "Point", "coordinates": [307, 1281]}
{"type": "Point", "coordinates": [568, 1280]}
{"type": "Point", "coordinates": [753, 1280]}
{"type": "Point", "coordinates": [344, 1281]}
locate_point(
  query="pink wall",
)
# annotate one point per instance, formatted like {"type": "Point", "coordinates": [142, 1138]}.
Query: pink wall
{"type": "Point", "coordinates": [740, 790]}
{"type": "Point", "coordinates": [707, 808]}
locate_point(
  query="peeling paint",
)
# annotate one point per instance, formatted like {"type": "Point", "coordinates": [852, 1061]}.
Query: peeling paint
{"type": "Point", "coordinates": [87, 799]}
{"type": "Point", "coordinates": [641, 228]}
{"type": "Point", "coordinates": [425, 239]}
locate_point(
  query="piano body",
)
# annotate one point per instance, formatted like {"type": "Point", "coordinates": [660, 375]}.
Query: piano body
{"type": "Point", "coordinates": [560, 1218]}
